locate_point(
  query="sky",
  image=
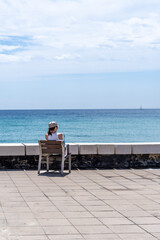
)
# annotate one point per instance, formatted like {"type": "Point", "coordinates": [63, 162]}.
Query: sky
{"type": "Point", "coordinates": [64, 54]}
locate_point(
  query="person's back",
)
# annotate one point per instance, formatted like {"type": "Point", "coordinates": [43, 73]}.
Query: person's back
{"type": "Point", "coordinates": [53, 136]}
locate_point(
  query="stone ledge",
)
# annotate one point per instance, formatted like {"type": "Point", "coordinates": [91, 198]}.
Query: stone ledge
{"type": "Point", "coordinates": [105, 149]}
{"type": "Point", "coordinates": [12, 149]}
{"type": "Point", "coordinates": [123, 148]}
{"type": "Point", "coordinates": [29, 149]}
{"type": "Point", "coordinates": [87, 148]}
{"type": "Point", "coordinates": [32, 149]}
{"type": "Point", "coordinates": [73, 148]}
{"type": "Point", "coordinates": [148, 148]}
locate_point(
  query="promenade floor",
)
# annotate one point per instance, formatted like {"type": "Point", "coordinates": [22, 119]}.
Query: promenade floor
{"type": "Point", "coordinates": [86, 204]}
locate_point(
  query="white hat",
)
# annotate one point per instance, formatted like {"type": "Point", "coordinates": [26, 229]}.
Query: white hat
{"type": "Point", "coordinates": [52, 124]}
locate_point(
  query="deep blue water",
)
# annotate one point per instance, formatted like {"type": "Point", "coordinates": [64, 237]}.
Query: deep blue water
{"type": "Point", "coordinates": [127, 125]}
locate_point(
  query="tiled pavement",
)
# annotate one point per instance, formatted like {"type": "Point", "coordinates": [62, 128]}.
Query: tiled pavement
{"type": "Point", "coordinates": [91, 205]}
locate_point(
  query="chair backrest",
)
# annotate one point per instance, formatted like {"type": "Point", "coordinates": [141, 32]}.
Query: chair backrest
{"type": "Point", "coordinates": [51, 147]}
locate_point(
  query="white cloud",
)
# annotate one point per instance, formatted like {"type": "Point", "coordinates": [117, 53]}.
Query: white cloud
{"type": "Point", "coordinates": [66, 56]}
{"type": "Point", "coordinates": [88, 31]}
{"type": "Point", "coordinates": [8, 48]}
{"type": "Point", "coordinates": [8, 58]}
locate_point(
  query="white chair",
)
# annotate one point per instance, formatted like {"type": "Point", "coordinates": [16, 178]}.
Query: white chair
{"type": "Point", "coordinates": [53, 148]}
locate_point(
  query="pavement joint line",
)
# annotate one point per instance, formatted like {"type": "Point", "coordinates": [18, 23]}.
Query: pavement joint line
{"type": "Point", "coordinates": [96, 182]}
{"type": "Point", "coordinates": [122, 214]}
{"type": "Point", "coordinates": [134, 189]}
{"type": "Point", "coordinates": [143, 186]}
{"type": "Point", "coordinates": [81, 204]}
{"type": "Point", "coordinates": [89, 211]}
{"type": "Point", "coordinates": [59, 211]}
{"type": "Point", "coordinates": [24, 199]}
{"type": "Point", "coordinates": [143, 209]}
{"type": "Point", "coordinates": [4, 215]}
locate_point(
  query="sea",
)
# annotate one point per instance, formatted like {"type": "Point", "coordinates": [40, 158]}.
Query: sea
{"type": "Point", "coordinates": [82, 125]}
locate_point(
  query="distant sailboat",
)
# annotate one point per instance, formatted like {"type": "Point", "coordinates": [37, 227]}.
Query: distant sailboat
{"type": "Point", "coordinates": [141, 108]}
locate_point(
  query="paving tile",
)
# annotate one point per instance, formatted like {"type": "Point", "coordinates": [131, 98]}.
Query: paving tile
{"type": "Point", "coordinates": [108, 236]}
{"type": "Point", "coordinates": [70, 215]}
{"type": "Point", "coordinates": [4, 237]}
{"type": "Point", "coordinates": [55, 193]}
{"type": "Point", "coordinates": [60, 198]}
{"type": "Point", "coordinates": [156, 235]}
{"type": "Point", "coordinates": [3, 223]}
{"type": "Point", "coordinates": [71, 208]}
{"type": "Point", "coordinates": [115, 202]}
{"type": "Point", "coordinates": [136, 236]}
{"type": "Point", "coordinates": [153, 197]}
{"type": "Point", "coordinates": [11, 199]}
{"type": "Point", "coordinates": [127, 195]}
{"type": "Point", "coordinates": [85, 198]}
{"type": "Point", "coordinates": [107, 214]}
{"type": "Point", "coordinates": [40, 204]}
{"type": "Point", "coordinates": [65, 203]}
{"type": "Point", "coordinates": [13, 204]}
{"type": "Point", "coordinates": [10, 195]}
{"type": "Point", "coordinates": [16, 209]}
{"type": "Point", "coordinates": [152, 228]}
{"type": "Point", "coordinates": [54, 222]}
{"type": "Point", "coordinates": [77, 193]}
{"type": "Point", "coordinates": [140, 213]}
{"type": "Point", "coordinates": [49, 215]}
{"type": "Point", "coordinates": [57, 230]}
{"type": "Point", "coordinates": [126, 229]}
{"type": "Point", "coordinates": [22, 183]}
{"type": "Point", "coordinates": [155, 213]}
{"type": "Point", "coordinates": [91, 186]}
{"type": "Point", "coordinates": [127, 207]}
{"type": "Point", "coordinates": [145, 220]}
{"type": "Point", "coordinates": [9, 190]}
{"type": "Point", "coordinates": [2, 216]}
{"type": "Point", "coordinates": [151, 206]}
{"type": "Point", "coordinates": [19, 215]}
{"type": "Point", "coordinates": [35, 199]}
{"type": "Point", "coordinates": [65, 237]}
{"type": "Point", "coordinates": [85, 221]}
{"type": "Point", "coordinates": [23, 231]}
{"type": "Point", "coordinates": [140, 202]}
{"type": "Point", "coordinates": [32, 194]}
{"type": "Point", "coordinates": [31, 237]}
{"type": "Point", "coordinates": [17, 222]}
{"type": "Point", "coordinates": [71, 187]}
{"type": "Point", "coordinates": [39, 208]}
{"type": "Point", "coordinates": [27, 189]}
{"type": "Point", "coordinates": [101, 192]}
{"type": "Point", "coordinates": [108, 196]}
{"type": "Point", "coordinates": [98, 208]}
{"type": "Point", "coordinates": [93, 203]}
{"type": "Point", "coordinates": [93, 229]}
{"type": "Point", "coordinates": [116, 221]}
{"type": "Point", "coordinates": [157, 200]}
{"type": "Point", "coordinates": [149, 191]}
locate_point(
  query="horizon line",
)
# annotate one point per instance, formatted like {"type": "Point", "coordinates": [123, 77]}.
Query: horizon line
{"type": "Point", "coordinates": [28, 109]}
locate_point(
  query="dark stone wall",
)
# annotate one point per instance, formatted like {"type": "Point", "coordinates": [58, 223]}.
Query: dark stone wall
{"type": "Point", "coordinates": [85, 162]}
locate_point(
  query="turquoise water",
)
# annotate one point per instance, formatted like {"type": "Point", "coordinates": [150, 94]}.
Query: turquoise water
{"type": "Point", "coordinates": [27, 126]}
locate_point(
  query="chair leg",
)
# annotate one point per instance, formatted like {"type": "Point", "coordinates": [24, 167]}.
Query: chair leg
{"type": "Point", "coordinates": [39, 164]}
{"type": "Point", "coordinates": [47, 163]}
{"type": "Point", "coordinates": [62, 165]}
{"type": "Point", "coordinates": [69, 163]}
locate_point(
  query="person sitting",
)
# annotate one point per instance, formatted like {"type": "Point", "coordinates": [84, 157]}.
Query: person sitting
{"type": "Point", "coordinates": [52, 132]}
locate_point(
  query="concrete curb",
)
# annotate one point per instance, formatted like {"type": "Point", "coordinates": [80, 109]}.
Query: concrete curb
{"type": "Point", "coordinates": [31, 149]}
